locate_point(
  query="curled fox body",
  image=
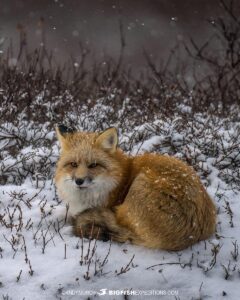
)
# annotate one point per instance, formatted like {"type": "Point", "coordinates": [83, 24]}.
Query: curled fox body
{"type": "Point", "coordinates": [151, 200]}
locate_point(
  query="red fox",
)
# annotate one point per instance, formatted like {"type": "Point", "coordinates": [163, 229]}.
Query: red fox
{"type": "Point", "coordinates": [151, 200]}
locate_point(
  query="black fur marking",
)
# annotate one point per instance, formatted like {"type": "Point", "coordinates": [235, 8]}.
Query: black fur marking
{"type": "Point", "coordinates": [111, 140]}
{"type": "Point", "coordinates": [104, 235]}
{"type": "Point", "coordinates": [65, 130]}
{"type": "Point", "coordinates": [101, 232]}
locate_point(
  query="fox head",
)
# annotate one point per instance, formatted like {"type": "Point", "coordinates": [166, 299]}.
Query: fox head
{"type": "Point", "coordinates": [90, 165]}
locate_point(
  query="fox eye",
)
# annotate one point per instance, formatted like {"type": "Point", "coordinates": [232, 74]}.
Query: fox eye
{"type": "Point", "coordinates": [73, 164]}
{"type": "Point", "coordinates": [93, 165]}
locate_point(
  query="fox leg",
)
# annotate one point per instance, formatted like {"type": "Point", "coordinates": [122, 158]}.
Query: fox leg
{"type": "Point", "coordinates": [101, 224]}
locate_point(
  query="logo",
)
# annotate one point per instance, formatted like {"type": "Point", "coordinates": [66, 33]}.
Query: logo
{"type": "Point", "coordinates": [102, 292]}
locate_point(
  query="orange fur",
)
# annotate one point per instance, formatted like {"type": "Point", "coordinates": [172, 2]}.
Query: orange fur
{"type": "Point", "coordinates": [151, 200]}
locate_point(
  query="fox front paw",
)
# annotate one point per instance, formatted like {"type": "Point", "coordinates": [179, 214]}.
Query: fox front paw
{"type": "Point", "coordinates": [90, 229]}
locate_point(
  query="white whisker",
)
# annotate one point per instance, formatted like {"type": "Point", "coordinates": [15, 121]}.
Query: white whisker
{"type": "Point", "coordinates": [68, 179]}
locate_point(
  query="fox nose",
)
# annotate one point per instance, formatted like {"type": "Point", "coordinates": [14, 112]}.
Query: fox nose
{"type": "Point", "coordinates": [79, 181]}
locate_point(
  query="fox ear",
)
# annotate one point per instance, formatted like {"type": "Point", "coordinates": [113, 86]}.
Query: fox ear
{"type": "Point", "coordinates": [108, 140]}
{"type": "Point", "coordinates": [62, 132]}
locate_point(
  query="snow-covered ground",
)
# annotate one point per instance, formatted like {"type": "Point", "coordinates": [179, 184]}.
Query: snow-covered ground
{"type": "Point", "coordinates": [41, 259]}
